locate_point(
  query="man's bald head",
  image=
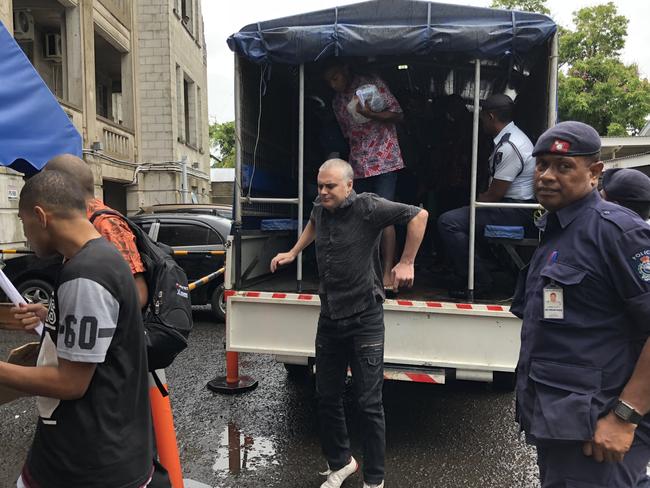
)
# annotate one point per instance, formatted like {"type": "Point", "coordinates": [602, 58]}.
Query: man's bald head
{"type": "Point", "coordinates": [340, 165]}
{"type": "Point", "coordinates": [76, 168]}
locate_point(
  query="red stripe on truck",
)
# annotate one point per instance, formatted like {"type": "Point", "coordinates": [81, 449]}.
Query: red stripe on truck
{"type": "Point", "coordinates": [421, 378]}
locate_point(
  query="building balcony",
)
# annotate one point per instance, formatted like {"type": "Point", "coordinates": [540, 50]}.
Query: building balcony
{"type": "Point", "coordinates": [117, 141]}
{"type": "Point", "coordinates": [121, 10]}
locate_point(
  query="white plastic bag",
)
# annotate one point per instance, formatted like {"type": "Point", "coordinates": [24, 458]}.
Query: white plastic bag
{"type": "Point", "coordinates": [369, 95]}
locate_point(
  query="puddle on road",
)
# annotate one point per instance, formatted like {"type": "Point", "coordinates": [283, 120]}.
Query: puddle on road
{"type": "Point", "coordinates": [239, 452]}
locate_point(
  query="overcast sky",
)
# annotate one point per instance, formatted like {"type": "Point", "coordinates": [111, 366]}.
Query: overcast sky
{"type": "Point", "coordinates": [224, 18]}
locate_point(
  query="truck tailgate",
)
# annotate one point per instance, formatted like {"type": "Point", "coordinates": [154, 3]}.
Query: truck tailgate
{"type": "Point", "coordinates": [420, 333]}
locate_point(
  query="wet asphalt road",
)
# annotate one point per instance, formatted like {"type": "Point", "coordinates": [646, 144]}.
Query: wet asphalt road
{"type": "Point", "coordinates": [453, 436]}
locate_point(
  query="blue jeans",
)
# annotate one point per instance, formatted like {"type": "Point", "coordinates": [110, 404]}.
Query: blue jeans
{"type": "Point", "coordinates": [383, 185]}
{"type": "Point", "coordinates": [357, 342]}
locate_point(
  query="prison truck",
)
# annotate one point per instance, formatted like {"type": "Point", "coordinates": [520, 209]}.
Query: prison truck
{"type": "Point", "coordinates": [425, 52]}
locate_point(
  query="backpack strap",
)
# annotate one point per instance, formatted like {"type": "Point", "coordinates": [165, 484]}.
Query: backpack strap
{"type": "Point", "coordinates": [105, 211]}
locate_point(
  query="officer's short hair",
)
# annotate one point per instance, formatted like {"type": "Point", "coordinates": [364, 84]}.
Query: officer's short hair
{"type": "Point", "coordinates": [592, 158]}
{"type": "Point", "coordinates": [54, 191]}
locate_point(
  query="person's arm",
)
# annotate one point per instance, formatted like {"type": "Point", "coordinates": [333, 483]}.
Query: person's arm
{"type": "Point", "coordinates": [307, 237]}
{"type": "Point", "coordinates": [67, 381]}
{"type": "Point", "coordinates": [613, 437]}
{"type": "Point", "coordinates": [404, 271]}
{"type": "Point", "coordinates": [386, 116]}
{"type": "Point", "coordinates": [495, 192]}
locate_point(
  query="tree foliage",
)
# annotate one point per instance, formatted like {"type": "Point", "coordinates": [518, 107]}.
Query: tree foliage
{"type": "Point", "coordinates": [599, 32]}
{"type": "Point", "coordinates": [595, 86]}
{"type": "Point", "coordinates": [525, 5]}
{"type": "Point", "coordinates": [222, 144]}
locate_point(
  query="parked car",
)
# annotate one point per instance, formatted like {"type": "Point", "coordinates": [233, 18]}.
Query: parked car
{"type": "Point", "coordinates": [198, 232]}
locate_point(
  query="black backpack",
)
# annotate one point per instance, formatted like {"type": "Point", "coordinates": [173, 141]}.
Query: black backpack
{"type": "Point", "coordinates": [168, 315]}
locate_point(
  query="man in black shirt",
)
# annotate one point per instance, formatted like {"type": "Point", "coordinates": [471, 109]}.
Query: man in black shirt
{"type": "Point", "coordinates": [94, 428]}
{"type": "Point", "coordinates": [347, 229]}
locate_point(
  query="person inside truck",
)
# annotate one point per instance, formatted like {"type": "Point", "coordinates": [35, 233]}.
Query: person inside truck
{"type": "Point", "coordinates": [346, 227]}
{"type": "Point", "coordinates": [629, 188]}
{"type": "Point", "coordinates": [375, 153]}
{"type": "Point", "coordinates": [582, 378]}
{"type": "Point", "coordinates": [511, 167]}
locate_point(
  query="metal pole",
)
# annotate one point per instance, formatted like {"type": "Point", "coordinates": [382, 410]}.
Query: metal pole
{"type": "Point", "coordinates": [472, 196]}
{"type": "Point", "coordinates": [237, 214]}
{"type": "Point", "coordinates": [184, 179]}
{"type": "Point", "coordinates": [552, 95]}
{"type": "Point", "coordinates": [301, 163]}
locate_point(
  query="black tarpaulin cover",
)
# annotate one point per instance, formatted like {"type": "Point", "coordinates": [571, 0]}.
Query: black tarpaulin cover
{"type": "Point", "coordinates": [393, 28]}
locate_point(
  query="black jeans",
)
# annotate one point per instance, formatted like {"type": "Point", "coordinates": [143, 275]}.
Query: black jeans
{"type": "Point", "coordinates": [357, 341]}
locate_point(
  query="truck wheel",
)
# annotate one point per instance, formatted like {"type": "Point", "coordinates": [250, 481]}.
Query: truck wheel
{"type": "Point", "coordinates": [297, 372]}
{"type": "Point", "coordinates": [218, 303]}
{"type": "Point", "coordinates": [36, 291]}
{"type": "Point", "coordinates": [504, 381]}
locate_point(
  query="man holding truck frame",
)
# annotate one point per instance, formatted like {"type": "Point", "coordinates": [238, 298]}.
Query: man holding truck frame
{"type": "Point", "coordinates": [347, 228]}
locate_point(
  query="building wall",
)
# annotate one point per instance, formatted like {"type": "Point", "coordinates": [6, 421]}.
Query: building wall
{"type": "Point", "coordinates": [149, 40]}
{"type": "Point", "coordinates": [169, 54]}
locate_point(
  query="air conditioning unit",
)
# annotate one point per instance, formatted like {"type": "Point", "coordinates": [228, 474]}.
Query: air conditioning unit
{"type": "Point", "coordinates": [53, 47]}
{"type": "Point", "coordinates": [23, 25]}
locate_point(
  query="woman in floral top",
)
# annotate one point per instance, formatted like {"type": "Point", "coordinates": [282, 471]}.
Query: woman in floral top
{"type": "Point", "coordinates": [375, 154]}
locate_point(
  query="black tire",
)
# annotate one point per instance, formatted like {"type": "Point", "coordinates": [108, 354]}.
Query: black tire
{"type": "Point", "coordinates": [504, 381]}
{"type": "Point", "coordinates": [36, 291]}
{"type": "Point", "coordinates": [218, 303]}
{"type": "Point", "coordinates": [297, 371]}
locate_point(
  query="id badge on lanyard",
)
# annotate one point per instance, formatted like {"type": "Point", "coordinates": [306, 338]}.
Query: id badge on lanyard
{"type": "Point", "coordinates": [553, 301]}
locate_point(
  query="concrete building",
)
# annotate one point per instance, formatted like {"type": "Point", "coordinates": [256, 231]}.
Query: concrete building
{"type": "Point", "coordinates": [131, 75]}
{"type": "Point", "coordinates": [223, 185]}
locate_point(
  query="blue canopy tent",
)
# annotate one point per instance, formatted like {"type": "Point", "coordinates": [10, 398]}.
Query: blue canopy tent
{"type": "Point", "coordinates": [33, 126]}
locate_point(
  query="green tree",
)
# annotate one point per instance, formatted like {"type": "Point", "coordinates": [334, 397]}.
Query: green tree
{"type": "Point", "coordinates": [525, 5]}
{"type": "Point", "coordinates": [599, 31]}
{"type": "Point", "coordinates": [595, 86]}
{"type": "Point", "coordinates": [222, 144]}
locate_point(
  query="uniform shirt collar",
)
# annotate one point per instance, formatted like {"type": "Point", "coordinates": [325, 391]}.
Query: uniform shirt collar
{"type": "Point", "coordinates": [569, 213]}
{"type": "Point", "coordinates": [505, 130]}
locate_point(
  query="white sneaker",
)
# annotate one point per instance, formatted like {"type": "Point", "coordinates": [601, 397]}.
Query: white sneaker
{"type": "Point", "coordinates": [368, 485]}
{"type": "Point", "coordinates": [336, 478]}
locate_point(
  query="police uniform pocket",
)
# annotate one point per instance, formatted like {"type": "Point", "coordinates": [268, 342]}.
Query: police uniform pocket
{"type": "Point", "coordinates": [569, 278]}
{"type": "Point", "coordinates": [563, 400]}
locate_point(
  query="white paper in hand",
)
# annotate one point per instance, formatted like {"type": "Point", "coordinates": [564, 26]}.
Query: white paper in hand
{"type": "Point", "coordinates": [16, 298]}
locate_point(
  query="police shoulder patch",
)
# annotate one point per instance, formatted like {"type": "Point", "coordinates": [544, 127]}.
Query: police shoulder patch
{"type": "Point", "coordinates": [641, 263]}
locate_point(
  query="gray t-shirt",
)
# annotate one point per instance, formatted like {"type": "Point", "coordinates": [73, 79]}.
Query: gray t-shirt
{"type": "Point", "coordinates": [347, 251]}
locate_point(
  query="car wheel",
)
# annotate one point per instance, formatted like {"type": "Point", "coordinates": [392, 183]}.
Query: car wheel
{"type": "Point", "coordinates": [36, 291]}
{"type": "Point", "coordinates": [218, 303]}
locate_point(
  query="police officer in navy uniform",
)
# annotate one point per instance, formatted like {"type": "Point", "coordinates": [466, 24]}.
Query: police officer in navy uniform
{"type": "Point", "coordinates": [628, 187]}
{"type": "Point", "coordinates": [511, 168]}
{"type": "Point", "coordinates": [583, 378]}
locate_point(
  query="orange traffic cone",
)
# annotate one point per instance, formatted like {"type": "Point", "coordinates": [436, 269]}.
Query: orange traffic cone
{"type": "Point", "coordinates": [163, 425]}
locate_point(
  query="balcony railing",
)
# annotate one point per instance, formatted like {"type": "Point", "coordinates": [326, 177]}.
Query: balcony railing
{"type": "Point", "coordinates": [117, 141]}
